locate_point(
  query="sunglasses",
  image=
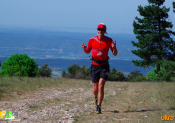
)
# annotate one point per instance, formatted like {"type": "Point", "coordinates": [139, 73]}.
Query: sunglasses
{"type": "Point", "coordinates": [100, 29]}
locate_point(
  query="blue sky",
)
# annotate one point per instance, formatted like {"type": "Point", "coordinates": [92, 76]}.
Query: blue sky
{"type": "Point", "coordinates": [74, 15]}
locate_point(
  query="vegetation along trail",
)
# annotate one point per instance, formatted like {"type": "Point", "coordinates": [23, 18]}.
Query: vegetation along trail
{"type": "Point", "coordinates": [70, 100]}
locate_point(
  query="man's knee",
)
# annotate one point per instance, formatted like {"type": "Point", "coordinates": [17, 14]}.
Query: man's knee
{"type": "Point", "coordinates": [95, 87]}
{"type": "Point", "coordinates": [95, 90]}
{"type": "Point", "coordinates": [101, 87]}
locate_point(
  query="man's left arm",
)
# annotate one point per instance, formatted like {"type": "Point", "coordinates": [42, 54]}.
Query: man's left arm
{"type": "Point", "coordinates": [114, 49]}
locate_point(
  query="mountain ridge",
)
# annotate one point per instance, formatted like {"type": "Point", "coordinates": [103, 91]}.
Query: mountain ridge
{"type": "Point", "coordinates": [40, 43]}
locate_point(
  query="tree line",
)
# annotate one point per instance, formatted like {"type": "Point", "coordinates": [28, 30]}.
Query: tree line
{"type": "Point", "coordinates": [166, 73]}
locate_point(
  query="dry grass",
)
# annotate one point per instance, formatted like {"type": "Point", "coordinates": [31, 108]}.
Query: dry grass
{"type": "Point", "coordinates": [136, 102]}
{"type": "Point", "coordinates": [126, 102]}
{"type": "Point", "coordinates": [16, 86]}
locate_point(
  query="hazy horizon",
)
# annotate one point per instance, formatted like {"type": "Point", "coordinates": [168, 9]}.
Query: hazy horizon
{"type": "Point", "coordinates": [74, 16]}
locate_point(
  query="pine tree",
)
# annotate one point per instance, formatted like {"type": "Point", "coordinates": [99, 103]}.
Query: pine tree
{"type": "Point", "coordinates": [153, 33]}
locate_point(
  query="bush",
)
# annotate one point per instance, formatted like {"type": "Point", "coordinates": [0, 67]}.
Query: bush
{"type": "Point", "coordinates": [116, 75]}
{"type": "Point", "coordinates": [77, 72]}
{"type": "Point", "coordinates": [88, 72]}
{"type": "Point", "coordinates": [166, 73]}
{"type": "Point", "coordinates": [72, 70]}
{"type": "Point", "coordinates": [152, 75]}
{"type": "Point", "coordinates": [140, 79]}
{"type": "Point", "coordinates": [135, 76]}
{"type": "Point", "coordinates": [63, 74]}
{"type": "Point", "coordinates": [19, 65]}
{"type": "Point", "coordinates": [44, 71]}
{"type": "Point", "coordinates": [80, 74]}
{"type": "Point", "coordinates": [83, 73]}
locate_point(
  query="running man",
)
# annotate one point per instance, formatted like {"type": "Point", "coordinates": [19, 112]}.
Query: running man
{"type": "Point", "coordinates": [99, 45]}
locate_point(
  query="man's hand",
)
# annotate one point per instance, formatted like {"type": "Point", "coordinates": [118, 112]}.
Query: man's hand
{"type": "Point", "coordinates": [84, 46]}
{"type": "Point", "coordinates": [113, 44]}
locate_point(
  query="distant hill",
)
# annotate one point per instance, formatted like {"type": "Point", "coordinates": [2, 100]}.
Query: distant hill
{"type": "Point", "coordinates": [39, 43]}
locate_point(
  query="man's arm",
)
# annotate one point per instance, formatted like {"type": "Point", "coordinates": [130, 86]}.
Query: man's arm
{"type": "Point", "coordinates": [85, 49]}
{"type": "Point", "coordinates": [115, 51]}
{"type": "Point", "coordinates": [113, 45]}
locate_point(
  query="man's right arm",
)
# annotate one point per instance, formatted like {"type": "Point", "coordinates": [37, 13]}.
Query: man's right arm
{"type": "Point", "coordinates": [84, 47]}
{"type": "Point", "coordinates": [87, 49]}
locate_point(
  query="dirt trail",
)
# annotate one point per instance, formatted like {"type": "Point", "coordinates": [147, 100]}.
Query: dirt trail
{"type": "Point", "coordinates": [52, 105]}
{"type": "Point", "coordinates": [72, 100]}
{"type": "Point", "coordinates": [48, 105]}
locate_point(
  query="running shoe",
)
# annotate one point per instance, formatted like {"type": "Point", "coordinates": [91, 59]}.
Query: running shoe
{"type": "Point", "coordinates": [98, 109]}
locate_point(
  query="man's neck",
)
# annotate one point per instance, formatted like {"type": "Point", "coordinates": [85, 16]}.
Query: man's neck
{"type": "Point", "coordinates": [101, 37]}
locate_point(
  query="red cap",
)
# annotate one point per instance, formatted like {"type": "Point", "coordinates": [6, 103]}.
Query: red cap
{"type": "Point", "coordinates": [102, 26]}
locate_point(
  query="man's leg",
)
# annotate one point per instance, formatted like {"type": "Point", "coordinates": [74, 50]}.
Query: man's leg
{"type": "Point", "coordinates": [95, 88]}
{"type": "Point", "coordinates": [95, 91]}
{"type": "Point", "coordinates": [100, 94]}
{"type": "Point", "coordinates": [101, 90]}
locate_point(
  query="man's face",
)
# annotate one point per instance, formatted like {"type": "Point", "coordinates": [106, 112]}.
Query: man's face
{"type": "Point", "coordinates": [101, 32]}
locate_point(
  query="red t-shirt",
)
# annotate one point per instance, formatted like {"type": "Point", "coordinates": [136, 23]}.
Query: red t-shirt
{"type": "Point", "coordinates": [99, 48]}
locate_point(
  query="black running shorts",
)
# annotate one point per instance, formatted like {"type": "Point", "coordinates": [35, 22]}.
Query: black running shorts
{"type": "Point", "coordinates": [99, 71]}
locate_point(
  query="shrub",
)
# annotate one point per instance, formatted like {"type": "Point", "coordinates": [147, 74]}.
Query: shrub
{"type": "Point", "coordinates": [140, 79]}
{"type": "Point", "coordinates": [135, 76]}
{"type": "Point", "coordinates": [152, 75]}
{"type": "Point", "coordinates": [88, 73]}
{"type": "Point", "coordinates": [166, 73]}
{"type": "Point", "coordinates": [116, 75]}
{"type": "Point", "coordinates": [77, 72]}
{"type": "Point", "coordinates": [72, 70]}
{"type": "Point", "coordinates": [44, 71]}
{"type": "Point", "coordinates": [83, 73]}
{"type": "Point", "coordinates": [63, 74]}
{"type": "Point", "coordinates": [80, 74]}
{"type": "Point", "coordinates": [19, 65]}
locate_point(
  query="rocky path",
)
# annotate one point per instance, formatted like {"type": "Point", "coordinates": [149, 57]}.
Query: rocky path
{"type": "Point", "coordinates": [69, 100]}
{"type": "Point", "coordinates": [52, 105]}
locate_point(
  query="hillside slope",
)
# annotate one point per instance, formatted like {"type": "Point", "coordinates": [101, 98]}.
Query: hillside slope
{"type": "Point", "coordinates": [68, 100]}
